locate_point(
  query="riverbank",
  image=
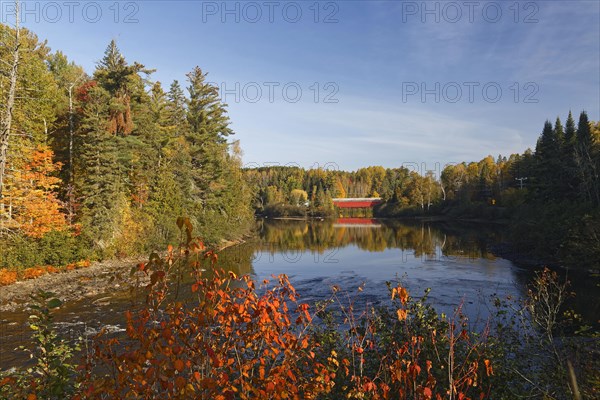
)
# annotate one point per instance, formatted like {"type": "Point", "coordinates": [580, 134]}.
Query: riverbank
{"type": "Point", "coordinates": [100, 277]}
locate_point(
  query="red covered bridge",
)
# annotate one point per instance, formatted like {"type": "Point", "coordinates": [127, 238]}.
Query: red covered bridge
{"type": "Point", "coordinates": [361, 202]}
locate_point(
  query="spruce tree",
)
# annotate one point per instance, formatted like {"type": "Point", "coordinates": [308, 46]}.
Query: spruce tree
{"type": "Point", "coordinates": [123, 83]}
{"type": "Point", "coordinates": [547, 155]}
{"type": "Point", "coordinates": [98, 185]}
{"type": "Point", "coordinates": [569, 165]}
{"type": "Point", "coordinates": [176, 105]}
{"type": "Point", "coordinates": [213, 191]}
{"type": "Point", "coordinates": [584, 157]}
{"type": "Point", "coordinates": [559, 134]}
{"type": "Point", "coordinates": [209, 128]}
{"type": "Point", "coordinates": [570, 133]}
{"type": "Point", "coordinates": [559, 172]}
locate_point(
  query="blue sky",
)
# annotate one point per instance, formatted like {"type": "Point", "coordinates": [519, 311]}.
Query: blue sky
{"type": "Point", "coordinates": [398, 81]}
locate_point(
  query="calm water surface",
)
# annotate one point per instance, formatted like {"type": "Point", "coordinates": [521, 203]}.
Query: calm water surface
{"type": "Point", "coordinates": [454, 263]}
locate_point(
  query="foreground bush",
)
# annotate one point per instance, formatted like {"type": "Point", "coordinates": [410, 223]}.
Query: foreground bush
{"type": "Point", "coordinates": [241, 341]}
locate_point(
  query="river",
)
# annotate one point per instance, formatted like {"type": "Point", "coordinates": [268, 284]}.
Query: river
{"type": "Point", "coordinates": [451, 259]}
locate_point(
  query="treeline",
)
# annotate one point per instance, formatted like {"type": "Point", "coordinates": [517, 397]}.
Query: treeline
{"type": "Point", "coordinates": [550, 196]}
{"type": "Point", "coordinates": [563, 166]}
{"type": "Point", "coordinates": [294, 191]}
{"type": "Point", "coordinates": [103, 164]}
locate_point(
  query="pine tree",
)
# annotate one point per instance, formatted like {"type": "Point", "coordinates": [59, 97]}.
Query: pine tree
{"type": "Point", "coordinates": [559, 134]}
{"type": "Point", "coordinates": [69, 76]}
{"type": "Point", "coordinates": [584, 157]}
{"type": "Point", "coordinates": [176, 105]}
{"type": "Point", "coordinates": [98, 185]}
{"type": "Point", "coordinates": [548, 155]}
{"type": "Point", "coordinates": [208, 130]}
{"type": "Point", "coordinates": [569, 166]}
{"type": "Point", "coordinates": [219, 193]}
{"type": "Point", "coordinates": [168, 166]}
{"type": "Point", "coordinates": [123, 83]}
{"type": "Point", "coordinates": [560, 174]}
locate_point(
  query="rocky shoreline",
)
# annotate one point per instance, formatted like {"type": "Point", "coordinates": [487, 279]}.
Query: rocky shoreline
{"type": "Point", "coordinates": [99, 278]}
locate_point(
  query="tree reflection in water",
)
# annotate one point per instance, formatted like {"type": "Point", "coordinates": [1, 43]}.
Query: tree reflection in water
{"type": "Point", "coordinates": [423, 239]}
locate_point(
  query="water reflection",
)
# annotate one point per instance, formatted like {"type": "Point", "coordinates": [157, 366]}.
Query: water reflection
{"type": "Point", "coordinates": [422, 239]}
{"type": "Point", "coordinates": [451, 258]}
{"type": "Point", "coordinates": [453, 261]}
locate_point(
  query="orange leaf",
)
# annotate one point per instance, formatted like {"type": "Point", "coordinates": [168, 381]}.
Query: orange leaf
{"type": "Point", "coordinates": [291, 375]}
{"type": "Point", "coordinates": [180, 382]}
{"type": "Point", "coordinates": [403, 295]}
{"type": "Point", "coordinates": [489, 370]}
{"type": "Point", "coordinates": [427, 393]}
{"type": "Point", "coordinates": [402, 314]}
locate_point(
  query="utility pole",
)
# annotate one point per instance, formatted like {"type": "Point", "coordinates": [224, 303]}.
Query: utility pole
{"type": "Point", "coordinates": [521, 181]}
{"type": "Point", "coordinates": [6, 122]}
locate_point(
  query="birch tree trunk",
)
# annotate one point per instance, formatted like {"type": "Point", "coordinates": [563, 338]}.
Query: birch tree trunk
{"type": "Point", "coordinates": [6, 122]}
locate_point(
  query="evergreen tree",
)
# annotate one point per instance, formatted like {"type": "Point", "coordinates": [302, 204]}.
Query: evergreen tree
{"type": "Point", "coordinates": [65, 140]}
{"type": "Point", "coordinates": [216, 182]}
{"type": "Point", "coordinates": [548, 160]}
{"type": "Point", "coordinates": [559, 134]}
{"type": "Point", "coordinates": [560, 174]}
{"type": "Point", "coordinates": [584, 157]}
{"type": "Point", "coordinates": [209, 128]}
{"type": "Point", "coordinates": [123, 83]}
{"type": "Point", "coordinates": [98, 186]}
{"type": "Point", "coordinates": [167, 166]}
{"type": "Point", "coordinates": [570, 132]}
{"type": "Point", "coordinates": [569, 166]}
{"type": "Point", "coordinates": [176, 105]}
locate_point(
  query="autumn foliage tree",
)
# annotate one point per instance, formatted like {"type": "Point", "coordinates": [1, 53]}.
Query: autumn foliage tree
{"type": "Point", "coordinates": [31, 193]}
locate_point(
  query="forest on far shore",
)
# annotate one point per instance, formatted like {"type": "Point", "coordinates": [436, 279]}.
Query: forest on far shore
{"type": "Point", "coordinates": [549, 198]}
{"type": "Point", "coordinates": [101, 165]}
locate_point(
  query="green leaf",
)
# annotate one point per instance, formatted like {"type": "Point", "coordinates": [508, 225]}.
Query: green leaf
{"type": "Point", "coordinates": [53, 303]}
